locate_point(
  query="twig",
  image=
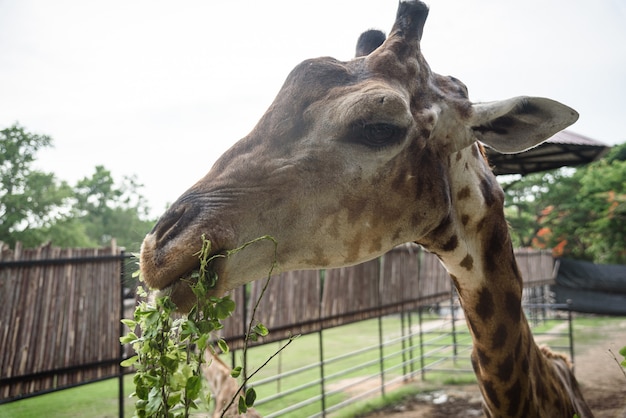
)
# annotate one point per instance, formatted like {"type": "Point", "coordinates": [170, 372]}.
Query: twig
{"type": "Point", "coordinates": [246, 378]}
{"type": "Point", "coordinates": [258, 369]}
{"type": "Point", "coordinates": [618, 363]}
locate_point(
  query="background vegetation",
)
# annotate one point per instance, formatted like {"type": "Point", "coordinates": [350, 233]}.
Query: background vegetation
{"type": "Point", "coordinates": [36, 207]}
{"type": "Point", "coordinates": [580, 213]}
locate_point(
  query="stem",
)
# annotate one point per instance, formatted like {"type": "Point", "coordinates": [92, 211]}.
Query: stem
{"type": "Point", "coordinates": [618, 363]}
{"type": "Point", "coordinates": [165, 330]}
{"type": "Point", "coordinates": [254, 310]}
{"type": "Point", "coordinates": [258, 369]}
{"type": "Point", "coordinates": [256, 306]}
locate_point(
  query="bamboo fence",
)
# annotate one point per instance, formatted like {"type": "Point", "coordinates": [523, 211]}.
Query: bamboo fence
{"type": "Point", "coordinates": [59, 317]}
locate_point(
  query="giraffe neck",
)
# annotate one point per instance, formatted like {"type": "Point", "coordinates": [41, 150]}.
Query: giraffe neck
{"type": "Point", "coordinates": [474, 245]}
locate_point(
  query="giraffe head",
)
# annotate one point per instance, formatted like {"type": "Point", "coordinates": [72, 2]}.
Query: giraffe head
{"type": "Point", "coordinates": [351, 159]}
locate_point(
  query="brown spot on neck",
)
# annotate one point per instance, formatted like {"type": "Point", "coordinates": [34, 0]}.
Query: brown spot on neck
{"type": "Point", "coordinates": [484, 306]}
{"type": "Point", "coordinates": [468, 262]}
{"type": "Point", "coordinates": [464, 193]}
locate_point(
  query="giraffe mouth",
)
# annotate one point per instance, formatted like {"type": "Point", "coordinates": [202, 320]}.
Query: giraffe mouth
{"type": "Point", "coordinates": [170, 261]}
{"type": "Point", "coordinates": [179, 286]}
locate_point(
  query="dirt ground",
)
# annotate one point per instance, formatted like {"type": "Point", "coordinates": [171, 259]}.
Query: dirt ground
{"type": "Point", "coordinates": [601, 379]}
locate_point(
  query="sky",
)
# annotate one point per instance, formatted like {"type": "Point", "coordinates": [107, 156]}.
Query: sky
{"type": "Point", "coordinates": [160, 89]}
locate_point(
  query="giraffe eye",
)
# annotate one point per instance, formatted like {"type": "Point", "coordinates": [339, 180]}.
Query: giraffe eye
{"type": "Point", "coordinates": [377, 135]}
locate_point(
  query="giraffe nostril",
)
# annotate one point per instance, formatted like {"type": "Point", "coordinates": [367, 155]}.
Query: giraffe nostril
{"type": "Point", "coordinates": [173, 222]}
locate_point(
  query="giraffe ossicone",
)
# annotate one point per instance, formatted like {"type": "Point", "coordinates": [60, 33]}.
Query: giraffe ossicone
{"type": "Point", "coordinates": [353, 158]}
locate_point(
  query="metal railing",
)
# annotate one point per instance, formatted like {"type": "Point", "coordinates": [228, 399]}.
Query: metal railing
{"type": "Point", "coordinates": [403, 352]}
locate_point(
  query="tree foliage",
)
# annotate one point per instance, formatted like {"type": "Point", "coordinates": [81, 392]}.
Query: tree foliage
{"type": "Point", "coordinates": [108, 210]}
{"type": "Point", "coordinates": [579, 213]}
{"type": "Point", "coordinates": [35, 207]}
{"type": "Point", "coordinates": [30, 200]}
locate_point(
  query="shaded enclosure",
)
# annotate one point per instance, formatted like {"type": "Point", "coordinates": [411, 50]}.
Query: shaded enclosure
{"type": "Point", "coordinates": [591, 288]}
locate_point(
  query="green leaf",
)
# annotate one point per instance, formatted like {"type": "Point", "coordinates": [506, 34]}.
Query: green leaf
{"type": "Point", "coordinates": [174, 399]}
{"type": "Point", "coordinates": [224, 308]}
{"type": "Point", "coordinates": [131, 361]}
{"type": "Point", "coordinates": [241, 407]}
{"type": "Point", "coordinates": [154, 401]}
{"type": "Point", "coordinates": [261, 330]}
{"type": "Point", "coordinates": [205, 327]}
{"type": "Point", "coordinates": [223, 345]}
{"type": "Point", "coordinates": [202, 342]}
{"type": "Point", "coordinates": [188, 328]}
{"type": "Point", "coordinates": [128, 338]}
{"type": "Point", "coordinates": [236, 372]}
{"type": "Point", "coordinates": [129, 323]}
{"type": "Point", "coordinates": [169, 361]}
{"type": "Point", "coordinates": [622, 351]}
{"type": "Point", "coordinates": [199, 290]}
{"type": "Point", "coordinates": [193, 387]}
{"type": "Point", "coordinates": [250, 397]}
{"type": "Point", "coordinates": [212, 279]}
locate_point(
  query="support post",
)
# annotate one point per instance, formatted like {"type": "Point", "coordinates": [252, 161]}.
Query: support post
{"type": "Point", "coordinates": [422, 365]}
{"type": "Point", "coordinates": [322, 374]}
{"type": "Point", "coordinates": [411, 368]}
{"type": "Point", "coordinates": [571, 331]}
{"type": "Point", "coordinates": [120, 368]}
{"type": "Point", "coordinates": [403, 345]}
{"type": "Point", "coordinates": [453, 314]}
{"type": "Point", "coordinates": [381, 356]}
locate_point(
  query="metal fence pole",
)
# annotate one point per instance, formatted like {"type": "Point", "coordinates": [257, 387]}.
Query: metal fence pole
{"type": "Point", "coordinates": [322, 374]}
{"type": "Point", "coordinates": [452, 312]}
{"type": "Point", "coordinates": [381, 356]}
{"type": "Point", "coordinates": [411, 368]}
{"type": "Point", "coordinates": [571, 330]}
{"type": "Point", "coordinates": [403, 334]}
{"type": "Point", "coordinates": [121, 348]}
{"type": "Point", "coordinates": [422, 365]}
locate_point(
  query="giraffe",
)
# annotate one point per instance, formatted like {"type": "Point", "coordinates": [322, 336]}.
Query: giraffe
{"type": "Point", "coordinates": [353, 158]}
{"type": "Point", "coordinates": [223, 387]}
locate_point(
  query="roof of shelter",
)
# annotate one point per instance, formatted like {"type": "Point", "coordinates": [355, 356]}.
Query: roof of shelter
{"type": "Point", "coordinates": [566, 148]}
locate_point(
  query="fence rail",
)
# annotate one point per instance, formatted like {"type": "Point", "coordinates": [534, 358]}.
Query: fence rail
{"type": "Point", "coordinates": [410, 346]}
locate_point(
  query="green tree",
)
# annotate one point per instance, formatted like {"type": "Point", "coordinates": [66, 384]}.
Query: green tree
{"type": "Point", "coordinates": [579, 213]}
{"type": "Point", "coordinates": [108, 210]}
{"type": "Point", "coordinates": [36, 208]}
{"type": "Point", "coordinates": [603, 200]}
{"type": "Point", "coordinates": [30, 200]}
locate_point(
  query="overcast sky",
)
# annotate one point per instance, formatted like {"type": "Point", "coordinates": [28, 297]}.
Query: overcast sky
{"type": "Point", "coordinates": [161, 88]}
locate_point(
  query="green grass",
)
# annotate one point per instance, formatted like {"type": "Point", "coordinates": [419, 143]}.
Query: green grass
{"type": "Point", "coordinates": [93, 400]}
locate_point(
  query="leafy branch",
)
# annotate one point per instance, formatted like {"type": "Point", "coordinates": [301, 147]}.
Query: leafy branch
{"type": "Point", "coordinates": [170, 352]}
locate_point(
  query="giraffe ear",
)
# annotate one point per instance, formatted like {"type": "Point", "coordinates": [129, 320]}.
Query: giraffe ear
{"type": "Point", "coordinates": [517, 124]}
